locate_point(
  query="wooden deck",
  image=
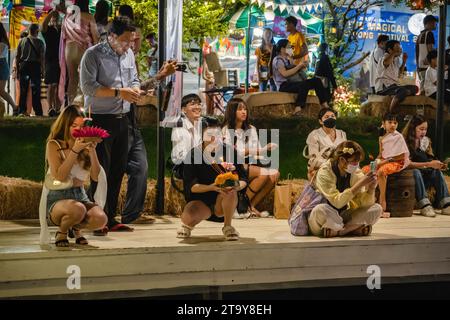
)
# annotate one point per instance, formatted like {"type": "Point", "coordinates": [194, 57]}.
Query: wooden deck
{"type": "Point", "coordinates": [151, 261]}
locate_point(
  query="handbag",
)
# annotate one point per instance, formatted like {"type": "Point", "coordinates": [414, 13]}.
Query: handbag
{"type": "Point", "coordinates": [50, 182]}
{"type": "Point", "coordinates": [282, 199]}
{"type": "Point", "coordinates": [298, 77]}
{"type": "Point", "coordinates": [306, 202]}
{"type": "Point", "coordinates": [243, 201]}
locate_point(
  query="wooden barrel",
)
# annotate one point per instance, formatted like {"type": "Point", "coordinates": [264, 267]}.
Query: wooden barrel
{"type": "Point", "coordinates": [400, 194]}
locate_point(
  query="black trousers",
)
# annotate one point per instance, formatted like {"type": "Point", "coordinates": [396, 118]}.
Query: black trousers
{"type": "Point", "coordinates": [30, 72]}
{"type": "Point", "coordinates": [137, 169]}
{"type": "Point", "coordinates": [400, 92]}
{"type": "Point", "coordinates": [112, 154]}
{"type": "Point", "coordinates": [302, 88]}
{"type": "Point", "coordinates": [446, 96]}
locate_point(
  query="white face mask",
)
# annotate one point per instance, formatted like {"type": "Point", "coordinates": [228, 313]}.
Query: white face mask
{"type": "Point", "coordinates": [289, 52]}
{"type": "Point", "coordinates": [351, 168]}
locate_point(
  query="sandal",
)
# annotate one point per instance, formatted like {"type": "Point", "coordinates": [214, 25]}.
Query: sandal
{"type": "Point", "coordinates": [363, 231]}
{"type": "Point", "coordinates": [184, 231]}
{"type": "Point", "coordinates": [78, 240]}
{"type": "Point", "coordinates": [328, 233]}
{"type": "Point", "coordinates": [63, 243]}
{"type": "Point", "coordinates": [120, 227]}
{"type": "Point", "coordinates": [230, 233]}
{"type": "Point", "coordinates": [102, 232]}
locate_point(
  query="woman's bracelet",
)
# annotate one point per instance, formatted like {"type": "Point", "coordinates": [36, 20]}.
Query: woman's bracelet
{"type": "Point", "coordinates": [74, 151]}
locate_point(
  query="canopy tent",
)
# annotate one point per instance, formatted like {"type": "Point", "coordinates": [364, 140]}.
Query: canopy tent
{"type": "Point", "coordinates": [239, 20]}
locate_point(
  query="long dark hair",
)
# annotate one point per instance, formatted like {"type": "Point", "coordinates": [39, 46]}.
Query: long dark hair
{"type": "Point", "coordinates": [282, 43]}
{"type": "Point", "coordinates": [102, 12]}
{"type": "Point", "coordinates": [409, 133]}
{"type": "Point", "coordinates": [84, 5]}
{"type": "Point", "coordinates": [263, 42]}
{"type": "Point", "coordinates": [3, 35]}
{"type": "Point", "coordinates": [60, 130]}
{"type": "Point", "coordinates": [230, 114]}
{"type": "Point", "coordinates": [127, 11]}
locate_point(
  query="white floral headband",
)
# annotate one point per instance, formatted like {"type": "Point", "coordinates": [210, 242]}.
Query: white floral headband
{"type": "Point", "coordinates": [350, 151]}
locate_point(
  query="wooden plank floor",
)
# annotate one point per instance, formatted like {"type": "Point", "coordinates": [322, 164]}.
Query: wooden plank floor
{"type": "Point", "coordinates": [152, 261]}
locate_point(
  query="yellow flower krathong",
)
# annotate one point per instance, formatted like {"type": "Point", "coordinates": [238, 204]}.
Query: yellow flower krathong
{"type": "Point", "coordinates": [227, 179]}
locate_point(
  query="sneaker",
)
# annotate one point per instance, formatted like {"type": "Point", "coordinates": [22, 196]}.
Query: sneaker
{"type": "Point", "coordinates": [238, 215]}
{"type": "Point", "coordinates": [230, 233]}
{"type": "Point", "coordinates": [428, 211]}
{"type": "Point", "coordinates": [446, 211]}
{"type": "Point", "coordinates": [265, 214]}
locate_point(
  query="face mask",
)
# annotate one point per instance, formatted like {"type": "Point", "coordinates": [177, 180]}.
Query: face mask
{"type": "Point", "coordinates": [351, 168]}
{"type": "Point", "coordinates": [289, 51]}
{"type": "Point", "coordinates": [424, 143]}
{"type": "Point", "coordinates": [329, 123]}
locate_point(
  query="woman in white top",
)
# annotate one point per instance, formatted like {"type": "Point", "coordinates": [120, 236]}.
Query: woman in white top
{"type": "Point", "coordinates": [321, 142]}
{"type": "Point", "coordinates": [72, 159]}
{"type": "Point", "coordinates": [238, 132]}
{"type": "Point", "coordinates": [431, 78]}
{"type": "Point", "coordinates": [4, 67]}
{"type": "Point", "coordinates": [188, 133]}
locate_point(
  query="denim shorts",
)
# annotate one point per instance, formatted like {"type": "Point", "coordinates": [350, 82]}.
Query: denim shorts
{"type": "Point", "coordinates": [76, 193]}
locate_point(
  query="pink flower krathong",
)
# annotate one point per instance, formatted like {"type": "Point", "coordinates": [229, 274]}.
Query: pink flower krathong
{"type": "Point", "coordinates": [89, 132]}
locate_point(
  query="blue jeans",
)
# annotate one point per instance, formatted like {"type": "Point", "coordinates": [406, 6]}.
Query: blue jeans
{"type": "Point", "coordinates": [137, 168]}
{"type": "Point", "coordinates": [436, 179]}
{"type": "Point", "coordinates": [263, 85]}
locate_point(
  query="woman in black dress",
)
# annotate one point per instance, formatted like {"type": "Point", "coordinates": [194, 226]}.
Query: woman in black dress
{"type": "Point", "coordinates": [204, 198]}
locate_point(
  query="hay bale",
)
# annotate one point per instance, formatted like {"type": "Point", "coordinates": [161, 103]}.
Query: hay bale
{"type": "Point", "coordinates": [149, 204]}
{"type": "Point", "coordinates": [19, 198]}
{"type": "Point", "coordinates": [175, 199]}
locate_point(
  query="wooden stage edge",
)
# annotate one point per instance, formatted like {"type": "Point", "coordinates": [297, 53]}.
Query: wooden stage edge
{"type": "Point", "coordinates": [151, 261]}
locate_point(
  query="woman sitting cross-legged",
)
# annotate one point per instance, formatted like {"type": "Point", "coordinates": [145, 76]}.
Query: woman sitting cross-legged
{"type": "Point", "coordinates": [238, 132]}
{"type": "Point", "coordinates": [350, 195]}
{"type": "Point", "coordinates": [286, 76]}
{"type": "Point", "coordinates": [205, 195]}
{"type": "Point", "coordinates": [71, 161]}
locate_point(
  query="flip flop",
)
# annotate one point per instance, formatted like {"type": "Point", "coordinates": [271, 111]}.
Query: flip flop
{"type": "Point", "coordinates": [120, 227]}
{"type": "Point", "coordinates": [101, 232]}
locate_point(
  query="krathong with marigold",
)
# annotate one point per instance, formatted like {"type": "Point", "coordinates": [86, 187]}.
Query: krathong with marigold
{"type": "Point", "coordinates": [227, 179]}
{"type": "Point", "coordinates": [91, 134]}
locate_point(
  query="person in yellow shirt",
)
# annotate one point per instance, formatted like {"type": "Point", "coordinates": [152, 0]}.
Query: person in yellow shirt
{"type": "Point", "coordinates": [350, 208]}
{"type": "Point", "coordinates": [297, 41]}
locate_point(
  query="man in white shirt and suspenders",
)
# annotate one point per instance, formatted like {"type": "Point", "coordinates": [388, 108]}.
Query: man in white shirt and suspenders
{"type": "Point", "coordinates": [424, 44]}
{"type": "Point", "coordinates": [375, 57]}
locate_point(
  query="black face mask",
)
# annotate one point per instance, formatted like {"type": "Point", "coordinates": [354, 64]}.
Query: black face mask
{"type": "Point", "coordinates": [329, 123]}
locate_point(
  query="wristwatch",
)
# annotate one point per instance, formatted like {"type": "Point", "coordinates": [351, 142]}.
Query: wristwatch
{"type": "Point", "coordinates": [116, 92]}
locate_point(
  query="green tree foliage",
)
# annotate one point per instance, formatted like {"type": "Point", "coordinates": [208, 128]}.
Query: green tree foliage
{"type": "Point", "coordinates": [200, 19]}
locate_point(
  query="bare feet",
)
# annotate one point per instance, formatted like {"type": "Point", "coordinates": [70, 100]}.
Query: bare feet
{"type": "Point", "coordinates": [385, 213]}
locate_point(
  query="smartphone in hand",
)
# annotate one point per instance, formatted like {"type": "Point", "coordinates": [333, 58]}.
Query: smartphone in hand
{"type": "Point", "coordinates": [373, 166]}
